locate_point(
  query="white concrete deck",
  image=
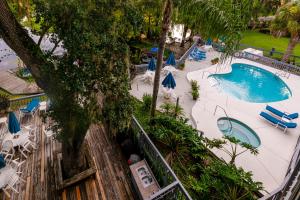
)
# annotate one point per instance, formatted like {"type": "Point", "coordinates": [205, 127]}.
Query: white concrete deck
{"type": "Point", "coordinates": [183, 87]}
{"type": "Point", "coordinates": [276, 149]}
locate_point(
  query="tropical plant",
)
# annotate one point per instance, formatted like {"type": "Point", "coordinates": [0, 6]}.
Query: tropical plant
{"type": "Point", "coordinates": [147, 98]}
{"type": "Point", "coordinates": [172, 110]}
{"type": "Point", "coordinates": [214, 18]}
{"type": "Point", "coordinates": [287, 20]}
{"type": "Point", "coordinates": [195, 89]}
{"type": "Point", "coordinates": [233, 143]}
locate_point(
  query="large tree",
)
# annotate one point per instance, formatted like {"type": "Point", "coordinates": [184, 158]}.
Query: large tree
{"type": "Point", "coordinates": [215, 19]}
{"type": "Point", "coordinates": [94, 34]}
{"type": "Point", "coordinates": [287, 20]}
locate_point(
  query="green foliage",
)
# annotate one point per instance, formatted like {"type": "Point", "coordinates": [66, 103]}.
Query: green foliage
{"type": "Point", "coordinates": [201, 173]}
{"type": "Point", "coordinates": [147, 99]}
{"type": "Point", "coordinates": [4, 103]}
{"type": "Point", "coordinates": [172, 110]}
{"type": "Point", "coordinates": [214, 61]}
{"type": "Point", "coordinates": [195, 89]}
{"type": "Point", "coordinates": [181, 66]}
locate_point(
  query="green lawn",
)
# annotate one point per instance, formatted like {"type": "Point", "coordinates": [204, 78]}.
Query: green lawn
{"type": "Point", "coordinates": [260, 40]}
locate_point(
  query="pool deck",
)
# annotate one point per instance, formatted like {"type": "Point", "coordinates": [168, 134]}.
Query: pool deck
{"type": "Point", "coordinates": [276, 149]}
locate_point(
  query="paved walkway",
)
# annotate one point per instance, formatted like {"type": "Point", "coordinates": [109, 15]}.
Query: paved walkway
{"type": "Point", "coordinates": [183, 87]}
{"type": "Point", "coordinates": [14, 85]}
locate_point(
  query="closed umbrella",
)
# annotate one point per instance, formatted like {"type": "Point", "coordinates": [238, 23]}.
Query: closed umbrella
{"type": "Point", "coordinates": [169, 81]}
{"type": "Point", "coordinates": [171, 60]}
{"type": "Point", "coordinates": [151, 65]}
{"type": "Point", "coordinates": [13, 123]}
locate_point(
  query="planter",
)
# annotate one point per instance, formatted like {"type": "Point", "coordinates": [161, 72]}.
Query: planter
{"type": "Point", "coordinates": [63, 183]}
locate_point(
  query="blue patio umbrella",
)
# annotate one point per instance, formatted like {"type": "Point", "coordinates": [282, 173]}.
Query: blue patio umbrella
{"type": "Point", "coordinates": [209, 41]}
{"type": "Point", "coordinates": [171, 60]}
{"type": "Point", "coordinates": [169, 81]}
{"type": "Point", "coordinates": [13, 123]}
{"type": "Point", "coordinates": [154, 49]}
{"type": "Point", "coordinates": [151, 65]}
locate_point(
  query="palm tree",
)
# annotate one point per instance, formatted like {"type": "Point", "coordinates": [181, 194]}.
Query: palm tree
{"type": "Point", "coordinates": [215, 18]}
{"type": "Point", "coordinates": [287, 20]}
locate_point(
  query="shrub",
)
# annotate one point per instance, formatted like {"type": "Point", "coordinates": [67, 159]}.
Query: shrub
{"type": "Point", "coordinates": [181, 66]}
{"type": "Point", "coordinates": [214, 61]}
{"type": "Point", "coordinates": [172, 110]}
{"type": "Point", "coordinates": [147, 100]}
{"type": "Point", "coordinates": [195, 89]}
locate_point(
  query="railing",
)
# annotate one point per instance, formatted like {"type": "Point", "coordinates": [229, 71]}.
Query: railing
{"type": "Point", "coordinates": [217, 106]}
{"type": "Point", "coordinates": [289, 68]}
{"type": "Point", "coordinates": [14, 104]}
{"type": "Point", "coordinates": [171, 186]}
{"type": "Point", "coordinates": [290, 188]}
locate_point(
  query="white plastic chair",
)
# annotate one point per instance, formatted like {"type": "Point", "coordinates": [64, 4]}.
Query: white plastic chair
{"type": "Point", "coordinates": [24, 146]}
{"type": "Point", "coordinates": [168, 93]}
{"type": "Point", "coordinates": [32, 131]}
{"type": "Point", "coordinates": [14, 180]}
{"type": "Point", "coordinates": [8, 150]}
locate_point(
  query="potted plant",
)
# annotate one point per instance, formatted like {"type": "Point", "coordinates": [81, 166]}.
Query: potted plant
{"type": "Point", "coordinates": [214, 61]}
{"type": "Point", "coordinates": [181, 66]}
{"type": "Point", "coordinates": [195, 89]}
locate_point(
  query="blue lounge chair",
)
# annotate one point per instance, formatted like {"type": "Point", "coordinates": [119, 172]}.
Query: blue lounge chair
{"type": "Point", "coordinates": [282, 114]}
{"type": "Point", "coordinates": [277, 122]}
{"type": "Point", "coordinates": [31, 107]}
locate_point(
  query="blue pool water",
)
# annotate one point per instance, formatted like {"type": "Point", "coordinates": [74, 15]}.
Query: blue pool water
{"type": "Point", "coordinates": [239, 131]}
{"type": "Point", "coordinates": [253, 84]}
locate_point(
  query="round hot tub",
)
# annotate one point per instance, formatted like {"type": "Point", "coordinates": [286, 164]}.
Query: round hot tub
{"type": "Point", "coordinates": [234, 128]}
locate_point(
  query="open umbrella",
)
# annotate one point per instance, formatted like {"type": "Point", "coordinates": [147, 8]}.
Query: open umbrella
{"type": "Point", "coordinates": [169, 81]}
{"type": "Point", "coordinates": [13, 123]}
{"type": "Point", "coordinates": [171, 60]}
{"type": "Point", "coordinates": [151, 65]}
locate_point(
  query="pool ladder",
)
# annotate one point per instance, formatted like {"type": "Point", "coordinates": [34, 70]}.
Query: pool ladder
{"type": "Point", "coordinates": [216, 108]}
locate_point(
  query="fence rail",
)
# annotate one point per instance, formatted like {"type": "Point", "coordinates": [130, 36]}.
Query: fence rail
{"type": "Point", "coordinates": [143, 67]}
{"type": "Point", "coordinates": [15, 104]}
{"type": "Point", "coordinates": [289, 68]}
{"type": "Point", "coordinates": [171, 186]}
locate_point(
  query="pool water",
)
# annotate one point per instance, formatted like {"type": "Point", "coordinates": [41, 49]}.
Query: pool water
{"type": "Point", "coordinates": [253, 84]}
{"type": "Point", "coordinates": [239, 131]}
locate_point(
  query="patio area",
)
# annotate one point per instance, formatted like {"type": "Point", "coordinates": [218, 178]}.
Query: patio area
{"type": "Point", "coordinates": [276, 149]}
{"type": "Point", "coordinates": [111, 180]}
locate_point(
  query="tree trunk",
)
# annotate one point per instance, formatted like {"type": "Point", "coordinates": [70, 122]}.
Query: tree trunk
{"type": "Point", "coordinates": [30, 53]}
{"type": "Point", "coordinates": [18, 40]}
{"type": "Point", "coordinates": [292, 43]}
{"type": "Point", "coordinates": [162, 43]}
{"type": "Point", "coordinates": [149, 26]}
{"type": "Point", "coordinates": [184, 36]}
{"type": "Point", "coordinates": [73, 160]}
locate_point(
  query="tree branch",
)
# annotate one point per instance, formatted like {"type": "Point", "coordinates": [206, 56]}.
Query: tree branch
{"type": "Point", "coordinates": [55, 46]}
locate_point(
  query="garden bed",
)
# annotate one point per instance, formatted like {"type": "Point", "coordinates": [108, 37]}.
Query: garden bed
{"type": "Point", "coordinates": [201, 172]}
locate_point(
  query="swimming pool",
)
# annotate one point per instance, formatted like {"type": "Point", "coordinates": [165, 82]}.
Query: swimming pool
{"type": "Point", "coordinates": [238, 130]}
{"type": "Point", "coordinates": [252, 84]}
